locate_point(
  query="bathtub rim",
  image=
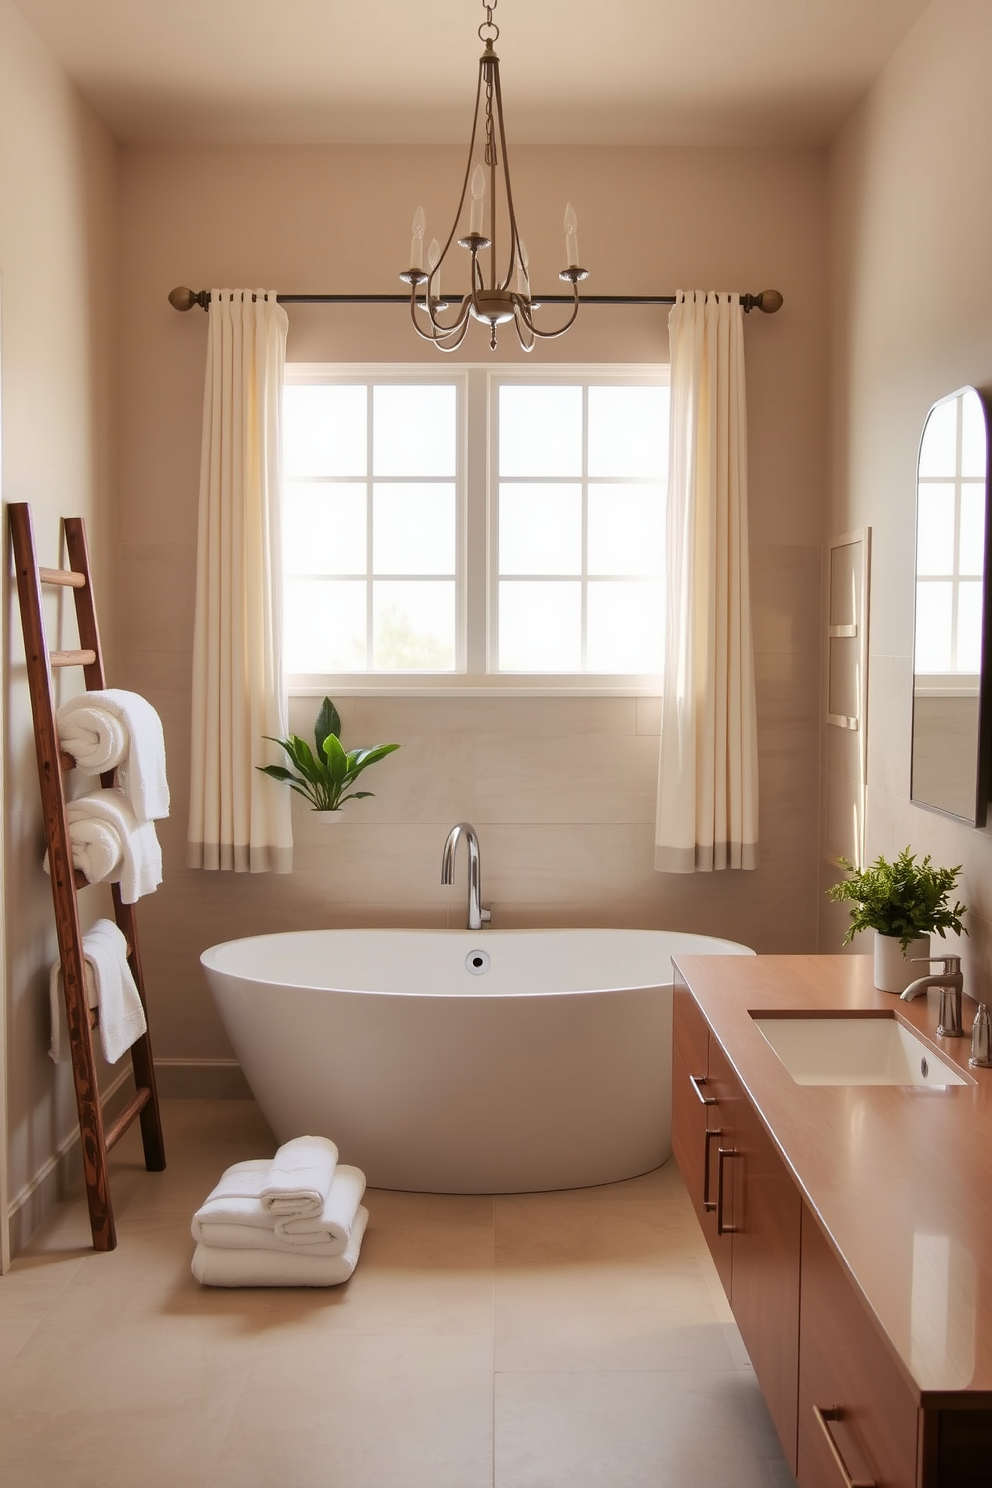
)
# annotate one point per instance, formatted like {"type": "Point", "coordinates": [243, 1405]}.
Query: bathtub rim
{"type": "Point", "coordinates": [478, 992]}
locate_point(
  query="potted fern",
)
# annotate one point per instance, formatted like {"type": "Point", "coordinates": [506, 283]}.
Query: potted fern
{"type": "Point", "coordinates": [904, 902]}
{"type": "Point", "coordinates": [325, 778]}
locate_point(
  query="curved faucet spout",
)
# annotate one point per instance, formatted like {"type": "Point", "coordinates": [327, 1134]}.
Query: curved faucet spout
{"type": "Point", "coordinates": [477, 916]}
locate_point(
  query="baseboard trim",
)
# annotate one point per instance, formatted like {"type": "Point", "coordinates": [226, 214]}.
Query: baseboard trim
{"type": "Point", "coordinates": [58, 1173]}
{"type": "Point", "coordinates": [201, 1079]}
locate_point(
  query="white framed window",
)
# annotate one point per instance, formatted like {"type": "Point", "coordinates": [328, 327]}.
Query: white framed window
{"type": "Point", "coordinates": [478, 530]}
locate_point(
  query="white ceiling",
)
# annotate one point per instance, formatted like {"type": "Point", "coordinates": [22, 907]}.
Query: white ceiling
{"type": "Point", "coordinates": [699, 72]}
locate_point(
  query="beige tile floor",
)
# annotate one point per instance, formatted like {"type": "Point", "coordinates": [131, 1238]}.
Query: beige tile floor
{"type": "Point", "coordinates": [567, 1340]}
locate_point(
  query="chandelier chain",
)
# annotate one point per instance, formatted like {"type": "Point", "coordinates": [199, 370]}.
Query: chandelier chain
{"type": "Point", "coordinates": [490, 151]}
{"type": "Point", "coordinates": [489, 26]}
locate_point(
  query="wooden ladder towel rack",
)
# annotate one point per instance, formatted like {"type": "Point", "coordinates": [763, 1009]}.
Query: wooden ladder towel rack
{"type": "Point", "coordinates": [96, 1139]}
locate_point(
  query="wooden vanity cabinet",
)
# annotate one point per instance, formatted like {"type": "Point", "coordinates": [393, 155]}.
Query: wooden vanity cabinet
{"type": "Point", "coordinates": [702, 1123]}
{"type": "Point", "coordinates": [846, 1413]}
{"type": "Point", "coordinates": [766, 1266]}
{"type": "Point", "coordinates": [747, 1204]}
{"type": "Point", "coordinates": [857, 1412]}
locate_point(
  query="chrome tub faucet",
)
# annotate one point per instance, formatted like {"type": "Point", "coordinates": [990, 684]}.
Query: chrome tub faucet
{"type": "Point", "coordinates": [477, 916]}
{"type": "Point", "coordinates": [951, 984]}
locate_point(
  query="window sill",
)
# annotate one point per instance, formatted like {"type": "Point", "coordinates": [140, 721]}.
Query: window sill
{"type": "Point", "coordinates": [508, 686]}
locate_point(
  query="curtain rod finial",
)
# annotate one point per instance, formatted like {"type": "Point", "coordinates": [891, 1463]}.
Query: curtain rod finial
{"type": "Point", "coordinates": [769, 300]}
{"type": "Point", "coordinates": [182, 298]}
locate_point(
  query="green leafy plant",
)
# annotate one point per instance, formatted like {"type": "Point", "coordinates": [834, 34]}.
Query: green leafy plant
{"type": "Point", "coordinates": [324, 777]}
{"type": "Point", "coordinates": [903, 898]}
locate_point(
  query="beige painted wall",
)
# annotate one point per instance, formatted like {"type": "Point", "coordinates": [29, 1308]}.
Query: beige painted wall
{"type": "Point", "coordinates": [562, 791]}
{"type": "Point", "coordinates": [57, 260]}
{"type": "Point", "coordinates": [912, 217]}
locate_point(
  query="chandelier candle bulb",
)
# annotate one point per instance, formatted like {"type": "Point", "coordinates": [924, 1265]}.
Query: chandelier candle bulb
{"type": "Point", "coordinates": [478, 202]}
{"type": "Point", "coordinates": [417, 241]}
{"type": "Point", "coordinates": [571, 236]}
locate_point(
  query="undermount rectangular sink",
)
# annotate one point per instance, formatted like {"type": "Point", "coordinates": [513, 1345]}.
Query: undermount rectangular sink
{"type": "Point", "coordinates": [854, 1051]}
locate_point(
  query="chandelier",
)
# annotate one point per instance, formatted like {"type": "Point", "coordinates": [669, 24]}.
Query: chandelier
{"type": "Point", "coordinates": [490, 298]}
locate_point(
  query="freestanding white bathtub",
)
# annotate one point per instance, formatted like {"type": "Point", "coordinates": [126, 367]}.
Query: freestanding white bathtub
{"type": "Point", "coordinates": [494, 1061]}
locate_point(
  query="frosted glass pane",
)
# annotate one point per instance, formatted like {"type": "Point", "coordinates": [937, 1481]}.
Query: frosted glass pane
{"type": "Point", "coordinates": [933, 628]}
{"type": "Point", "coordinates": [324, 622]}
{"type": "Point", "coordinates": [628, 431]}
{"type": "Point", "coordinates": [540, 430]}
{"type": "Point", "coordinates": [935, 530]}
{"type": "Point", "coordinates": [972, 551]}
{"type": "Point", "coordinates": [973, 436]}
{"type": "Point", "coordinates": [324, 429]}
{"type": "Point", "coordinates": [323, 528]}
{"type": "Point", "coordinates": [969, 658]}
{"type": "Point", "coordinates": [414, 429]}
{"type": "Point", "coordinates": [540, 626]}
{"type": "Point", "coordinates": [625, 627]}
{"type": "Point", "coordinates": [540, 529]}
{"type": "Point", "coordinates": [626, 530]}
{"type": "Point", "coordinates": [938, 449]}
{"type": "Point", "coordinates": [413, 529]}
{"type": "Point", "coordinates": [413, 626]}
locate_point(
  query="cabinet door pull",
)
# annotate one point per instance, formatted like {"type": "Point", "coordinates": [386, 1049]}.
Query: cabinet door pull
{"type": "Point", "coordinates": [714, 1131]}
{"type": "Point", "coordinates": [704, 1100]}
{"type": "Point", "coordinates": [824, 1415]}
{"type": "Point", "coordinates": [722, 1153]}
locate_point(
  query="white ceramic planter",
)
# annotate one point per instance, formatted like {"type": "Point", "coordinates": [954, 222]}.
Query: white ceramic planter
{"type": "Point", "coordinates": [893, 970]}
{"type": "Point", "coordinates": [328, 818]}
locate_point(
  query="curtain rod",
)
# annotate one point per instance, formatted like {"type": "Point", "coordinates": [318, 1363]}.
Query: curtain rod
{"type": "Point", "coordinates": [768, 300]}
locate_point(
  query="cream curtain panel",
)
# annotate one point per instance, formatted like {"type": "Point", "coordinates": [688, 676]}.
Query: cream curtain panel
{"type": "Point", "coordinates": [707, 815]}
{"type": "Point", "coordinates": [239, 819]}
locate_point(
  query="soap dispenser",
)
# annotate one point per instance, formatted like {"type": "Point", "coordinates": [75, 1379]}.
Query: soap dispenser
{"type": "Point", "coordinates": [981, 1039]}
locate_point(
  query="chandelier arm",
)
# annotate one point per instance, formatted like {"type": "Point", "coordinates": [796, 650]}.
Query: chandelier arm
{"type": "Point", "coordinates": [468, 167]}
{"type": "Point", "coordinates": [438, 331]}
{"type": "Point", "coordinates": [514, 235]}
{"type": "Point", "coordinates": [552, 335]}
{"type": "Point", "coordinates": [521, 319]}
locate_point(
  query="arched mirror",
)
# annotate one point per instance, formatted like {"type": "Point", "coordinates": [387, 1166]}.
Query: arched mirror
{"type": "Point", "coordinates": [952, 654]}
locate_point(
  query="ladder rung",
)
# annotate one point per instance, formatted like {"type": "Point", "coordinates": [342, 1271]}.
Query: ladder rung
{"type": "Point", "coordinates": [71, 658]}
{"type": "Point", "coordinates": [65, 576]}
{"type": "Point", "coordinates": [79, 879]}
{"type": "Point", "coordinates": [119, 1126]}
{"type": "Point", "coordinates": [66, 760]}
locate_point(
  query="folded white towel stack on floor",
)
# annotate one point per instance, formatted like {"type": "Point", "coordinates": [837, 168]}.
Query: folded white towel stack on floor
{"type": "Point", "coordinates": [109, 845]}
{"type": "Point", "coordinates": [294, 1220]}
{"type": "Point", "coordinates": [109, 986]}
{"type": "Point", "coordinates": [113, 729]}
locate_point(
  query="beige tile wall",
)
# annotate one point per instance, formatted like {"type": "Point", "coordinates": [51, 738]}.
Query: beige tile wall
{"type": "Point", "coordinates": [561, 790]}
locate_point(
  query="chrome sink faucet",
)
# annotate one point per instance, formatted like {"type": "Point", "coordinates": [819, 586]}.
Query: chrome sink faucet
{"type": "Point", "coordinates": [477, 916]}
{"type": "Point", "coordinates": [951, 984]}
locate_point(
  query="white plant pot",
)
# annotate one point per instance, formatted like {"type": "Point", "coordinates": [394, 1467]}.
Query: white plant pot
{"type": "Point", "coordinates": [893, 970]}
{"type": "Point", "coordinates": [328, 818]}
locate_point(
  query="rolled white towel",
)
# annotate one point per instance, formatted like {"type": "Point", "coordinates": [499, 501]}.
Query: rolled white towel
{"type": "Point", "coordinates": [232, 1215]}
{"type": "Point", "coordinates": [112, 728]}
{"type": "Point", "coordinates": [213, 1265]}
{"type": "Point", "coordinates": [300, 1178]}
{"type": "Point", "coordinates": [110, 846]}
{"type": "Point", "coordinates": [333, 1226]}
{"type": "Point", "coordinates": [236, 1198]}
{"type": "Point", "coordinates": [109, 986]}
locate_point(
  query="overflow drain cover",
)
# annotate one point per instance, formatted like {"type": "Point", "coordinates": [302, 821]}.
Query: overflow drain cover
{"type": "Point", "coordinates": [477, 962]}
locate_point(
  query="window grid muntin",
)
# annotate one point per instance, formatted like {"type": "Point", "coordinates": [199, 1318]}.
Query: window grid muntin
{"type": "Point", "coordinates": [371, 380]}
{"type": "Point", "coordinates": [585, 381]}
{"type": "Point", "coordinates": [955, 578]}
